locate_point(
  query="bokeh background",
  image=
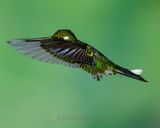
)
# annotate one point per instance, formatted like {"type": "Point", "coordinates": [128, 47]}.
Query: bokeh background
{"type": "Point", "coordinates": [34, 94]}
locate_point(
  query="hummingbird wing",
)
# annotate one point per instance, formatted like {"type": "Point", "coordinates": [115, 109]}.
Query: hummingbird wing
{"type": "Point", "coordinates": [54, 51]}
{"type": "Point", "coordinates": [71, 52]}
{"type": "Point", "coordinates": [33, 49]}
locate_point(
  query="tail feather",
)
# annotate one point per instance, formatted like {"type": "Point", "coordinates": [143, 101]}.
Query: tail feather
{"type": "Point", "coordinates": [137, 71]}
{"type": "Point", "coordinates": [130, 73]}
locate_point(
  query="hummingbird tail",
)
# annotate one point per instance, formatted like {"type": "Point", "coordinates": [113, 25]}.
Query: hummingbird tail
{"type": "Point", "coordinates": [130, 73]}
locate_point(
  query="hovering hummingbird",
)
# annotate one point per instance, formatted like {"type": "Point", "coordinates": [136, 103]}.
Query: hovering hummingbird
{"type": "Point", "coordinates": [63, 47]}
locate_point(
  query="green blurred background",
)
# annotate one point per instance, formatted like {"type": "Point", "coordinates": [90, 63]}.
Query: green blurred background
{"type": "Point", "coordinates": [39, 95]}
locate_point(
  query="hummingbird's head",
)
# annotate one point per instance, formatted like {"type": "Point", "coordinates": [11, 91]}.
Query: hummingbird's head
{"type": "Point", "coordinates": [65, 34]}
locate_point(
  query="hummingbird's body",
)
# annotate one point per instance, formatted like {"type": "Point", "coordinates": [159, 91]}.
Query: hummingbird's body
{"type": "Point", "coordinates": [64, 48]}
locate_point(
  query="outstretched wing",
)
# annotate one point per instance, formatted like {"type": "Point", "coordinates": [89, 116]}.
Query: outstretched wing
{"type": "Point", "coordinates": [54, 51]}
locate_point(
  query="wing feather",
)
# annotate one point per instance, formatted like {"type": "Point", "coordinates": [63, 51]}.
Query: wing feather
{"type": "Point", "coordinates": [73, 52]}
{"type": "Point", "coordinates": [54, 51]}
{"type": "Point", "coordinates": [32, 48]}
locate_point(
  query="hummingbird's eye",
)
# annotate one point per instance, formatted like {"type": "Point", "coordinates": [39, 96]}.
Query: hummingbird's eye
{"type": "Point", "coordinates": [89, 52]}
{"type": "Point", "coordinates": [66, 38]}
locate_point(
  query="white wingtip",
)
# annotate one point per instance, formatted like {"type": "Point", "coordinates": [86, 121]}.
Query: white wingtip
{"type": "Point", "coordinates": [137, 71]}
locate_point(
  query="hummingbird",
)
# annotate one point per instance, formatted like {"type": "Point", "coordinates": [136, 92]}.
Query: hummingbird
{"type": "Point", "coordinates": [64, 48]}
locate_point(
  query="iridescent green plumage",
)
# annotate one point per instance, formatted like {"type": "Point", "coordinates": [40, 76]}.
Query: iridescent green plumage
{"type": "Point", "coordinates": [64, 48]}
